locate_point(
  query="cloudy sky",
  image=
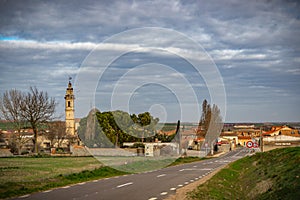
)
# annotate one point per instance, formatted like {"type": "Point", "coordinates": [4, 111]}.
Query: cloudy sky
{"type": "Point", "coordinates": [143, 55]}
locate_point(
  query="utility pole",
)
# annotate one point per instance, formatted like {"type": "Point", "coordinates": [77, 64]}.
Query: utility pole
{"type": "Point", "coordinates": [178, 135]}
{"type": "Point", "coordinates": [261, 141]}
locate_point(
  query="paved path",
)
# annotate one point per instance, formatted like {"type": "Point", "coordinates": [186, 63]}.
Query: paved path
{"type": "Point", "coordinates": [144, 186]}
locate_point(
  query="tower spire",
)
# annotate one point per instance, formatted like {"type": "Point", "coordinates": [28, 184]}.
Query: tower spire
{"type": "Point", "coordinates": [69, 109]}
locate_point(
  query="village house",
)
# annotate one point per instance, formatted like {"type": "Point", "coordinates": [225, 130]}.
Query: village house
{"type": "Point", "coordinates": [56, 137]}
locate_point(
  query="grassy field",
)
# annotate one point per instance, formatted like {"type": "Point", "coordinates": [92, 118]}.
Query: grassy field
{"type": "Point", "coordinates": [20, 176]}
{"type": "Point", "coordinates": [23, 175]}
{"type": "Point", "coordinates": [269, 175]}
{"type": "Point", "coordinates": [35, 169]}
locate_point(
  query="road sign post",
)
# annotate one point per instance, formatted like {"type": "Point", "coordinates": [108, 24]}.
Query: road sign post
{"type": "Point", "coordinates": [206, 145]}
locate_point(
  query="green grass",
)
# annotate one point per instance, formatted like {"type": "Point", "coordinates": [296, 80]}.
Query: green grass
{"type": "Point", "coordinates": [10, 189]}
{"type": "Point", "coordinates": [36, 169]}
{"type": "Point", "coordinates": [24, 175]}
{"type": "Point", "coordinates": [146, 164]}
{"type": "Point", "coordinates": [269, 175]}
{"type": "Point", "coordinates": [184, 160]}
{"type": "Point", "coordinates": [19, 176]}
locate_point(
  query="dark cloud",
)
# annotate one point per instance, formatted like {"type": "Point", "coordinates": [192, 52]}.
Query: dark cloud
{"type": "Point", "coordinates": [255, 45]}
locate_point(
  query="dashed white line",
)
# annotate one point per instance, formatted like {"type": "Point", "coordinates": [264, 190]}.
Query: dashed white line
{"type": "Point", "coordinates": [163, 193]}
{"type": "Point", "coordinates": [125, 184]}
{"type": "Point", "coordinates": [172, 189]}
{"type": "Point", "coordinates": [191, 180]}
{"type": "Point", "coordinates": [24, 196]}
{"type": "Point", "coordinates": [161, 175]}
{"type": "Point", "coordinates": [206, 169]}
{"type": "Point", "coordinates": [179, 185]}
{"type": "Point", "coordinates": [153, 198]}
{"type": "Point", "coordinates": [192, 169]}
{"type": "Point", "coordinates": [47, 191]}
{"type": "Point", "coordinates": [186, 183]}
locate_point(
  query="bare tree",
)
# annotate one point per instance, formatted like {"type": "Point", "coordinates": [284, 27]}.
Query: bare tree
{"type": "Point", "coordinates": [205, 119]}
{"type": "Point", "coordinates": [37, 108]}
{"type": "Point", "coordinates": [210, 124]}
{"type": "Point", "coordinates": [215, 126]}
{"type": "Point", "coordinates": [57, 133]}
{"type": "Point", "coordinates": [10, 109]}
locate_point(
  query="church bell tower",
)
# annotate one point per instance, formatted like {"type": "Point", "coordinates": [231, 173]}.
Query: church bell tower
{"type": "Point", "coordinates": [69, 110]}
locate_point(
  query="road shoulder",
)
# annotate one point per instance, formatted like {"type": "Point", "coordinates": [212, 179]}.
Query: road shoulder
{"type": "Point", "coordinates": [181, 192]}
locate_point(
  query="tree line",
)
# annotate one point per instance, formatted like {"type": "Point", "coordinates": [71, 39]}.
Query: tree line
{"type": "Point", "coordinates": [35, 109]}
{"type": "Point", "coordinates": [113, 128]}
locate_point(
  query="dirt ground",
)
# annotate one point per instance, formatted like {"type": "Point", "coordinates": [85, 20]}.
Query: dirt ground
{"type": "Point", "coordinates": [181, 192]}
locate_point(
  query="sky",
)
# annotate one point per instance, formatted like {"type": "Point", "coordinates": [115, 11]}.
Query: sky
{"type": "Point", "coordinates": [161, 56]}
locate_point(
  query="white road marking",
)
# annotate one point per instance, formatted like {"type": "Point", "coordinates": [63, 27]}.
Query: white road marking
{"type": "Point", "coordinates": [191, 180]}
{"type": "Point", "coordinates": [196, 178]}
{"type": "Point", "coordinates": [186, 183]}
{"type": "Point", "coordinates": [179, 185]}
{"type": "Point", "coordinates": [195, 166]}
{"type": "Point", "coordinates": [163, 193]}
{"type": "Point", "coordinates": [95, 181]}
{"type": "Point", "coordinates": [172, 189]}
{"type": "Point", "coordinates": [125, 184]}
{"type": "Point", "coordinates": [161, 175]}
{"type": "Point", "coordinates": [153, 198]}
{"type": "Point", "coordinates": [81, 183]}
{"type": "Point", "coordinates": [66, 187]}
{"type": "Point", "coordinates": [238, 157]}
{"type": "Point", "coordinates": [24, 196]}
{"type": "Point", "coordinates": [223, 161]}
{"type": "Point", "coordinates": [47, 191]}
{"type": "Point", "coordinates": [193, 169]}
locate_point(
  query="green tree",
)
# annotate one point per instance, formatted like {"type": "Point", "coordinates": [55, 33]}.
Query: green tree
{"type": "Point", "coordinates": [116, 127]}
{"type": "Point", "coordinates": [144, 125]}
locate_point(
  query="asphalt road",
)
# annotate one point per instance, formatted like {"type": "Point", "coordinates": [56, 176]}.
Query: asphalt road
{"type": "Point", "coordinates": [144, 186]}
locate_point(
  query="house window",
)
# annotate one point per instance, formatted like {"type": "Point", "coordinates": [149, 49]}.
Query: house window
{"type": "Point", "coordinates": [69, 104]}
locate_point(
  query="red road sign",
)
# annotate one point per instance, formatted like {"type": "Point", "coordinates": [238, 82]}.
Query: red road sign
{"type": "Point", "coordinates": [255, 145]}
{"type": "Point", "coordinates": [249, 144]}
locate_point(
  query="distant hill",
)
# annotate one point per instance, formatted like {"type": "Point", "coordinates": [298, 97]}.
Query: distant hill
{"type": "Point", "coordinates": [269, 175]}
